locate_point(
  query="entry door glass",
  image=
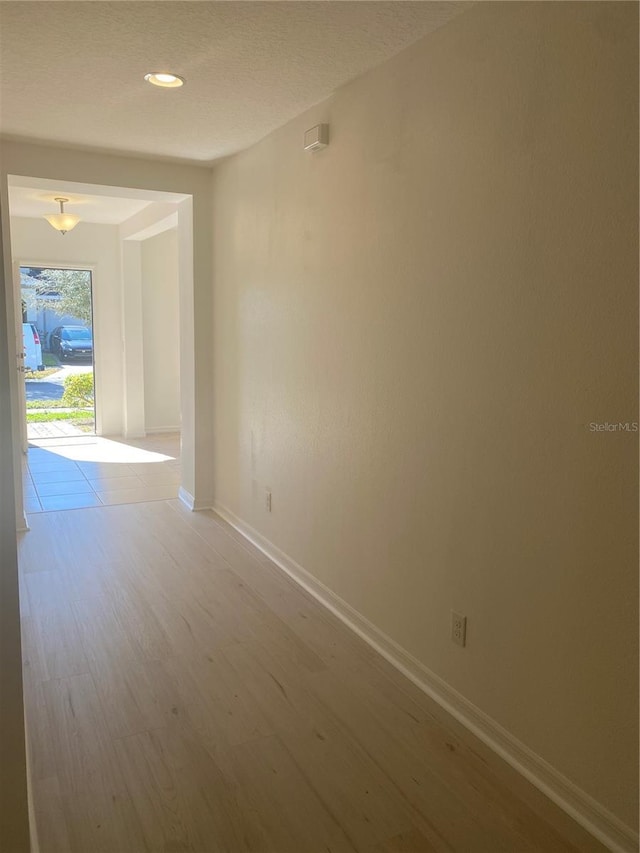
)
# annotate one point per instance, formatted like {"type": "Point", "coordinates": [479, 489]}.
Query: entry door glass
{"type": "Point", "coordinates": [57, 334]}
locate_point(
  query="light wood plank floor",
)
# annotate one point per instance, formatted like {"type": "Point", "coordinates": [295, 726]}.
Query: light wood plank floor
{"type": "Point", "coordinates": [182, 694]}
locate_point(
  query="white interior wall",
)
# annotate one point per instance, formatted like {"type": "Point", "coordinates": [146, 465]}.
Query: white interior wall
{"type": "Point", "coordinates": [160, 331]}
{"type": "Point", "coordinates": [133, 375]}
{"type": "Point", "coordinates": [14, 818]}
{"type": "Point", "coordinates": [414, 329]}
{"type": "Point", "coordinates": [96, 247]}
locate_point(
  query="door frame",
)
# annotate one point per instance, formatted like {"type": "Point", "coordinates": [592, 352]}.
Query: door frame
{"type": "Point", "coordinates": [91, 268]}
{"type": "Point", "coordinates": [188, 189]}
{"type": "Point", "coordinates": [22, 397]}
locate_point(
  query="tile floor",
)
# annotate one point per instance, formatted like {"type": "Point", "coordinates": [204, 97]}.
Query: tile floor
{"type": "Point", "coordinates": [77, 472]}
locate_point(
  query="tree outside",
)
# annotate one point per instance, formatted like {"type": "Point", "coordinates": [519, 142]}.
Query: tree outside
{"type": "Point", "coordinates": [63, 291]}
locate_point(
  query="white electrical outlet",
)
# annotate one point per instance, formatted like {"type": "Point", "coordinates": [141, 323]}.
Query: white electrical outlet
{"type": "Point", "coordinates": [267, 500]}
{"type": "Point", "coordinates": [458, 628]}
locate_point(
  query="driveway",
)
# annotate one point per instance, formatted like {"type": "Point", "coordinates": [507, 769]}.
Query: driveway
{"type": "Point", "coordinates": [69, 370]}
{"type": "Point", "coordinates": [43, 389]}
{"type": "Point", "coordinates": [52, 388]}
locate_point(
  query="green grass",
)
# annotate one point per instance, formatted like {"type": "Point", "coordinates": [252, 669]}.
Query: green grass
{"type": "Point", "coordinates": [47, 417]}
{"type": "Point", "coordinates": [46, 404]}
{"type": "Point", "coordinates": [50, 360]}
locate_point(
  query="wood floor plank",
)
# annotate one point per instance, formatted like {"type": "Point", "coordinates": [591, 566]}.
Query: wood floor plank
{"type": "Point", "coordinates": [38, 728]}
{"type": "Point", "coordinates": [45, 589]}
{"type": "Point", "coordinates": [89, 578]}
{"type": "Point", "coordinates": [178, 540]}
{"type": "Point", "coordinates": [405, 842]}
{"type": "Point", "coordinates": [321, 632]}
{"type": "Point", "coordinates": [52, 822]}
{"type": "Point", "coordinates": [451, 760]}
{"type": "Point", "coordinates": [136, 617]}
{"type": "Point", "coordinates": [25, 609]}
{"type": "Point", "coordinates": [128, 696]}
{"type": "Point", "coordinates": [33, 666]}
{"type": "Point", "coordinates": [59, 650]}
{"type": "Point", "coordinates": [193, 623]}
{"type": "Point", "coordinates": [95, 806]}
{"type": "Point", "coordinates": [182, 694]}
{"type": "Point", "coordinates": [291, 816]}
{"type": "Point", "coordinates": [358, 793]}
{"type": "Point", "coordinates": [264, 579]}
{"type": "Point", "coordinates": [215, 697]}
{"type": "Point", "coordinates": [61, 539]}
{"type": "Point", "coordinates": [440, 809]}
{"type": "Point", "coordinates": [162, 793]}
{"type": "Point", "coordinates": [285, 701]}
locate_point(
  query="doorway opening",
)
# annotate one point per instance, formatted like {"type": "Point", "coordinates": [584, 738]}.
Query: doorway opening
{"type": "Point", "coordinates": [57, 331]}
{"type": "Point", "coordinates": [136, 248]}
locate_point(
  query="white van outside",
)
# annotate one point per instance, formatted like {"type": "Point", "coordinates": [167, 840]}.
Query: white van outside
{"type": "Point", "coordinates": [32, 347]}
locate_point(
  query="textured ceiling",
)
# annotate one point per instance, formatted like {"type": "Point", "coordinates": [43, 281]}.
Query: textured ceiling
{"type": "Point", "coordinates": [72, 72]}
{"type": "Point", "coordinates": [35, 197]}
{"type": "Point", "coordinates": [108, 210]}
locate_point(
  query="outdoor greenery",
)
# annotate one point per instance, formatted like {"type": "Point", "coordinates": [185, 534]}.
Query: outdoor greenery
{"type": "Point", "coordinates": [78, 390]}
{"type": "Point", "coordinates": [45, 417]}
{"type": "Point", "coordinates": [71, 290]}
{"type": "Point", "coordinates": [49, 360]}
{"type": "Point", "coordinates": [46, 404]}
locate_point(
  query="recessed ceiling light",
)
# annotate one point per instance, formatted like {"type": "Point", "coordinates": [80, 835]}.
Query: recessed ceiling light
{"type": "Point", "coordinates": [164, 79]}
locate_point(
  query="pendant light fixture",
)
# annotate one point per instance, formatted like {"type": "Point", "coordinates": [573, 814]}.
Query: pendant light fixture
{"type": "Point", "coordinates": [62, 221]}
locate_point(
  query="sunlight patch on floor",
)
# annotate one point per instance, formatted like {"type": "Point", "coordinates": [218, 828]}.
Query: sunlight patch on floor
{"type": "Point", "coordinates": [96, 449]}
{"type": "Point", "coordinates": [74, 473]}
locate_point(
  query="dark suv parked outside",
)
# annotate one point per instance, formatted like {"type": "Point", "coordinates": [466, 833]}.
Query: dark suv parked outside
{"type": "Point", "coordinates": [71, 342]}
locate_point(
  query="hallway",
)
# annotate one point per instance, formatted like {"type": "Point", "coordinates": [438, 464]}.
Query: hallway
{"type": "Point", "coordinates": [182, 694]}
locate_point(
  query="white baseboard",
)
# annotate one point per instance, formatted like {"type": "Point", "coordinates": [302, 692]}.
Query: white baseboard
{"type": "Point", "coordinates": [160, 430]}
{"type": "Point", "coordinates": [586, 811]}
{"type": "Point", "coordinates": [34, 839]}
{"type": "Point", "coordinates": [187, 499]}
{"type": "Point", "coordinates": [191, 503]}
